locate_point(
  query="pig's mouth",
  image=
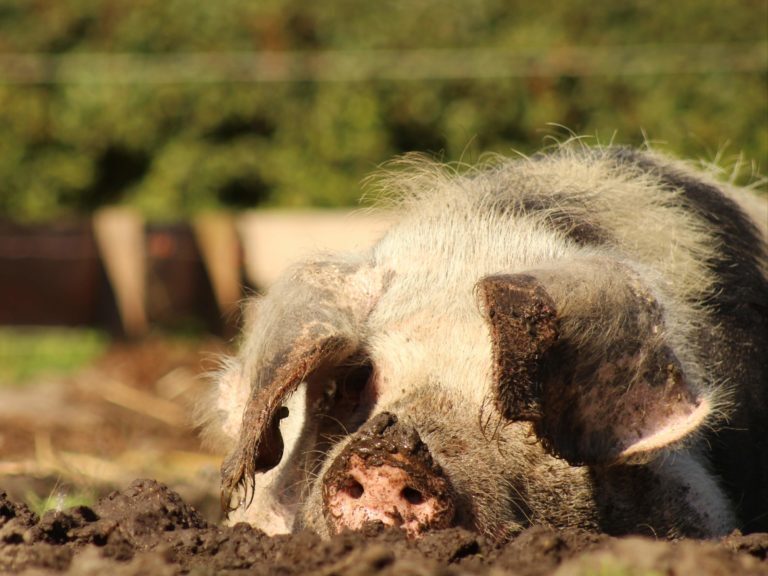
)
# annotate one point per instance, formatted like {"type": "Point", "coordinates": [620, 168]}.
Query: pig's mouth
{"type": "Point", "coordinates": [387, 475]}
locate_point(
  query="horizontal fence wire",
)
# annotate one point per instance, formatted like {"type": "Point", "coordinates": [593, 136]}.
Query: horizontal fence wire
{"type": "Point", "coordinates": [381, 65]}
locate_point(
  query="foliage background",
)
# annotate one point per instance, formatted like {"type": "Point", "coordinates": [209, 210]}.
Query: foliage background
{"type": "Point", "coordinates": [76, 133]}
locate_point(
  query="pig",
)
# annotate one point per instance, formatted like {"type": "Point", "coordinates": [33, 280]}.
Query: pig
{"type": "Point", "coordinates": [578, 339]}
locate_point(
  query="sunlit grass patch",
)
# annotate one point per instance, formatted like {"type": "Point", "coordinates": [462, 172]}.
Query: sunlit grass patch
{"type": "Point", "coordinates": [27, 352]}
{"type": "Point", "coordinates": [57, 501]}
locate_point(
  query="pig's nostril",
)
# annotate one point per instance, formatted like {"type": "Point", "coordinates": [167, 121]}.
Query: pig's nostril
{"type": "Point", "coordinates": [354, 489]}
{"type": "Point", "coordinates": [412, 496]}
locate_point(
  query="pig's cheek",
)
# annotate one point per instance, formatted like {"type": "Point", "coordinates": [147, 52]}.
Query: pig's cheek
{"type": "Point", "coordinates": [311, 514]}
{"type": "Point", "coordinates": [265, 514]}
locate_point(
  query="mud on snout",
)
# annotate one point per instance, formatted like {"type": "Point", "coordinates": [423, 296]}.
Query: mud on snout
{"type": "Point", "coordinates": [387, 475]}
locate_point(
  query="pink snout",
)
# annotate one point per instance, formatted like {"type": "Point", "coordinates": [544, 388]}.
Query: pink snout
{"type": "Point", "coordinates": [387, 476]}
{"type": "Point", "coordinates": [385, 494]}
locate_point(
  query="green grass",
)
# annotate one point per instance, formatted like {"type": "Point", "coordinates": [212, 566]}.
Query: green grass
{"type": "Point", "coordinates": [27, 353]}
{"type": "Point", "coordinates": [57, 501]}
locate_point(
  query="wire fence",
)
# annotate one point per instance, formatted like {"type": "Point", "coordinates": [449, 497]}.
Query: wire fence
{"type": "Point", "coordinates": [382, 65]}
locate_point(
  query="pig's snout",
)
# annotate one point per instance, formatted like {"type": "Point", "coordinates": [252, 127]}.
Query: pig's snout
{"type": "Point", "coordinates": [387, 475]}
{"type": "Point", "coordinates": [386, 493]}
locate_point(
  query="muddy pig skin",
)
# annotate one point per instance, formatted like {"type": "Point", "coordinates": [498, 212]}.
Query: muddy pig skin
{"type": "Point", "coordinates": [577, 339]}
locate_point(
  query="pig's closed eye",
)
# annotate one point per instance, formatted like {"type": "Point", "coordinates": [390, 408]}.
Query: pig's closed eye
{"type": "Point", "coordinates": [348, 396]}
{"type": "Point", "coordinates": [355, 378]}
{"type": "Point", "coordinates": [355, 393]}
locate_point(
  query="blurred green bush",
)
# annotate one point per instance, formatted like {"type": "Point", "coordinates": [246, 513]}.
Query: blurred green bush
{"type": "Point", "coordinates": [79, 131]}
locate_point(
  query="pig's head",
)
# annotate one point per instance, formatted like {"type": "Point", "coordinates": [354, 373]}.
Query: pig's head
{"type": "Point", "coordinates": [481, 419]}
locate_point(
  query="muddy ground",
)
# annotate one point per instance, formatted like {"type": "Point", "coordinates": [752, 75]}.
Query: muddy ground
{"type": "Point", "coordinates": [91, 433]}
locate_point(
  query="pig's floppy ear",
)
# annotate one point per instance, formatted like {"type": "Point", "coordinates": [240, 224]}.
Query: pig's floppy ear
{"type": "Point", "coordinates": [581, 352]}
{"type": "Point", "coordinates": [309, 322]}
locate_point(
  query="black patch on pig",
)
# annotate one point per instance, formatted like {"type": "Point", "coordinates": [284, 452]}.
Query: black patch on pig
{"type": "Point", "coordinates": [736, 346]}
{"type": "Point", "coordinates": [741, 284]}
{"type": "Point", "coordinates": [565, 212]}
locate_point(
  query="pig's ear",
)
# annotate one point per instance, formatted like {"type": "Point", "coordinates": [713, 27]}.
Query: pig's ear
{"type": "Point", "coordinates": [308, 324]}
{"type": "Point", "coordinates": [581, 353]}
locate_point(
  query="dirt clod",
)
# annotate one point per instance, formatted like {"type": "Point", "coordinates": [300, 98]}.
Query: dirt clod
{"type": "Point", "coordinates": [148, 529]}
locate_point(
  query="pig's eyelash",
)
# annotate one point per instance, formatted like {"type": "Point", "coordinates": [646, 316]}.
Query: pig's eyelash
{"type": "Point", "coordinates": [333, 438]}
{"type": "Point", "coordinates": [337, 421]}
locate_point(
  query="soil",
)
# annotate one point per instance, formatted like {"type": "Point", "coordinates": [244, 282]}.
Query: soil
{"type": "Point", "coordinates": [144, 526]}
{"type": "Point", "coordinates": [148, 529]}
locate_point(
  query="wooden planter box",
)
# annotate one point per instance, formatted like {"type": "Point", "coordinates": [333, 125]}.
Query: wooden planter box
{"type": "Point", "coordinates": [54, 274]}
